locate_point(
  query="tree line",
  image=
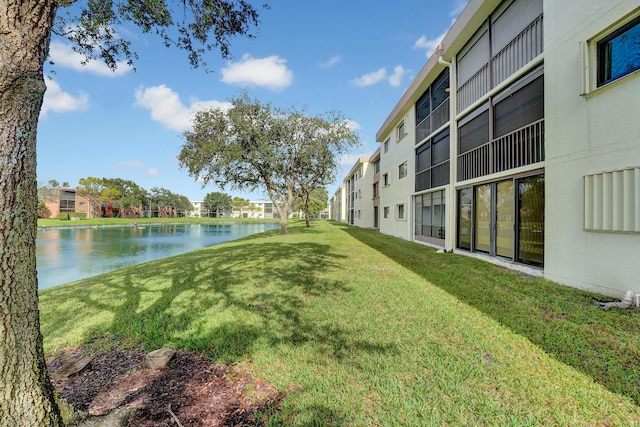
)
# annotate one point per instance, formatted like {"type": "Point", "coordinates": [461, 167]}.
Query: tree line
{"type": "Point", "coordinates": [106, 196]}
{"type": "Point", "coordinates": [217, 203]}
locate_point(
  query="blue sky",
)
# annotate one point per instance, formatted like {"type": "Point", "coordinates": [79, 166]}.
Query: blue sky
{"type": "Point", "coordinates": [354, 57]}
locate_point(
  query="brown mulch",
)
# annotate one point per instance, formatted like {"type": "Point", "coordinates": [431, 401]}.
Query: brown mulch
{"type": "Point", "coordinates": [191, 390]}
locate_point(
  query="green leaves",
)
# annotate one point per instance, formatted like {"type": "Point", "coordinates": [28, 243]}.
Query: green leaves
{"type": "Point", "coordinates": [254, 146]}
{"type": "Point", "coordinates": [196, 26]}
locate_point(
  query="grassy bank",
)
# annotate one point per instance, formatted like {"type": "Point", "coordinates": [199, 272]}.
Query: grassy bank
{"type": "Point", "coordinates": [46, 222]}
{"type": "Point", "coordinates": [356, 328]}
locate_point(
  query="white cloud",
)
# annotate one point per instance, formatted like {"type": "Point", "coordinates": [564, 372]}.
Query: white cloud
{"type": "Point", "coordinates": [167, 108]}
{"type": "Point", "coordinates": [396, 78]}
{"type": "Point", "coordinates": [270, 72]}
{"type": "Point", "coordinates": [59, 101]}
{"type": "Point", "coordinates": [331, 62]}
{"type": "Point", "coordinates": [429, 44]}
{"type": "Point", "coordinates": [153, 172]}
{"type": "Point", "coordinates": [63, 55]}
{"type": "Point", "coordinates": [381, 75]}
{"type": "Point", "coordinates": [371, 78]}
{"type": "Point", "coordinates": [432, 44]}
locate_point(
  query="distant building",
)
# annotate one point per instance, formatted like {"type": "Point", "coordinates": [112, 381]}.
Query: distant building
{"type": "Point", "coordinates": [199, 211]}
{"type": "Point", "coordinates": [256, 209]}
{"type": "Point", "coordinates": [68, 201]}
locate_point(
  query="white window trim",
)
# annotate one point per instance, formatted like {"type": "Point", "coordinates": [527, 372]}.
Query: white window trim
{"type": "Point", "coordinates": [402, 125]}
{"type": "Point", "coordinates": [404, 212]}
{"type": "Point", "coordinates": [590, 58]}
{"type": "Point", "coordinates": [406, 167]}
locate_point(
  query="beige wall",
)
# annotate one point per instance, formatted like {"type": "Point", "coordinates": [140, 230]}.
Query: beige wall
{"type": "Point", "coordinates": [588, 131]}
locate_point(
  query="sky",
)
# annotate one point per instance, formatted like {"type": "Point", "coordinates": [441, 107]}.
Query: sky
{"type": "Point", "coordinates": [355, 57]}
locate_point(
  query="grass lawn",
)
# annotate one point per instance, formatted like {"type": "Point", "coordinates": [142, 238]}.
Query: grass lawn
{"type": "Point", "coordinates": [357, 328]}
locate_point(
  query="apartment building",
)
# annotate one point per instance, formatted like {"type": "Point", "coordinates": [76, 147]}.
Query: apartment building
{"type": "Point", "coordinates": [256, 209]}
{"type": "Point", "coordinates": [68, 201]}
{"type": "Point", "coordinates": [337, 205]}
{"type": "Point", "coordinates": [518, 142]}
{"type": "Point", "coordinates": [359, 194]}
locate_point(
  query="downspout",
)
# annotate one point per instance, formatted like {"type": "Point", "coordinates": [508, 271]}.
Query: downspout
{"type": "Point", "coordinates": [450, 193]}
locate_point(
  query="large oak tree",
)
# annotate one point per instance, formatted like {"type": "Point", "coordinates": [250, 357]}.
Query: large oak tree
{"type": "Point", "coordinates": [255, 146]}
{"type": "Point", "coordinates": [217, 202]}
{"type": "Point", "coordinates": [26, 393]}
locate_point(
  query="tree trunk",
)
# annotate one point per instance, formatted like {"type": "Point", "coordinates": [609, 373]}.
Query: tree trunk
{"type": "Point", "coordinates": [307, 218]}
{"type": "Point", "coordinates": [26, 393]}
{"type": "Point", "coordinates": [283, 211]}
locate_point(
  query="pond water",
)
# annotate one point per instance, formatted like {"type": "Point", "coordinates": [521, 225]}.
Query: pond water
{"type": "Point", "coordinates": [72, 253]}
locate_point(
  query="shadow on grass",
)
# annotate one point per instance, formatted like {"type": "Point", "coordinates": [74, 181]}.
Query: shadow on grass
{"type": "Point", "coordinates": [224, 301]}
{"type": "Point", "coordinates": [563, 321]}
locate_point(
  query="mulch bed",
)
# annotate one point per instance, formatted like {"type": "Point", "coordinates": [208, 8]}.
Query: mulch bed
{"type": "Point", "coordinates": [191, 390]}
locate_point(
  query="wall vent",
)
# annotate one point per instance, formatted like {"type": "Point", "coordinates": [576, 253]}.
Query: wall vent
{"type": "Point", "coordinates": [612, 201]}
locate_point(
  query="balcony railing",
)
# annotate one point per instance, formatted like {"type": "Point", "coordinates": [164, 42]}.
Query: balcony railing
{"type": "Point", "coordinates": [474, 88]}
{"type": "Point", "coordinates": [515, 55]}
{"type": "Point", "coordinates": [433, 121]}
{"type": "Point", "coordinates": [433, 177]}
{"type": "Point", "coordinates": [522, 147]}
{"type": "Point", "coordinates": [518, 53]}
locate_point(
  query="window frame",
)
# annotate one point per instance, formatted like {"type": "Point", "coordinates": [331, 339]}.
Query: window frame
{"type": "Point", "coordinates": [401, 212]}
{"type": "Point", "coordinates": [600, 52]}
{"type": "Point", "coordinates": [590, 84]}
{"type": "Point", "coordinates": [401, 130]}
{"type": "Point", "coordinates": [403, 170]}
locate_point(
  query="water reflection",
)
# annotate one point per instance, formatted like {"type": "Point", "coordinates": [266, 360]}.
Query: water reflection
{"type": "Point", "coordinates": [69, 254]}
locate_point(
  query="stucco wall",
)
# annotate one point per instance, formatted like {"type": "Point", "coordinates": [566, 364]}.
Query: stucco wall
{"type": "Point", "coordinates": [399, 190]}
{"type": "Point", "coordinates": [586, 134]}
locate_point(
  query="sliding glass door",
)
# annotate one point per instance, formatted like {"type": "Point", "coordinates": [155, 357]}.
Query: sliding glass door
{"type": "Point", "coordinates": [504, 207]}
{"type": "Point", "coordinates": [504, 219]}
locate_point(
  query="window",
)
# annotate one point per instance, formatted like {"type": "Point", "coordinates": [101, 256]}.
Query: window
{"type": "Point", "coordinates": [401, 131]}
{"type": "Point", "coordinates": [400, 209]}
{"type": "Point", "coordinates": [432, 162]}
{"type": "Point", "coordinates": [386, 145]}
{"type": "Point", "coordinates": [375, 190]}
{"type": "Point", "coordinates": [385, 179]}
{"type": "Point", "coordinates": [619, 53]}
{"type": "Point", "coordinates": [402, 170]}
{"type": "Point", "coordinates": [518, 107]}
{"type": "Point", "coordinates": [432, 109]}
{"type": "Point", "coordinates": [386, 211]}
{"type": "Point", "coordinates": [67, 201]}
{"type": "Point", "coordinates": [376, 167]}
{"type": "Point", "coordinates": [430, 217]}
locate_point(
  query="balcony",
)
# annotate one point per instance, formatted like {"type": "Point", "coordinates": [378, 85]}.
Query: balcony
{"type": "Point", "coordinates": [438, 117]}
{"type": "Point", "coordinates": [525, 47]}
{"type": "Point", "coordinates": [522, 147]}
